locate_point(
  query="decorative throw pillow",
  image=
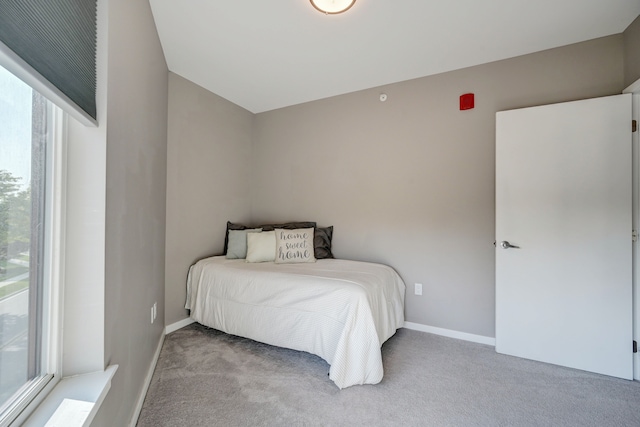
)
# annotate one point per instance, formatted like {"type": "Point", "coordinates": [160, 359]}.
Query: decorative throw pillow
{"type": "Point", "coordinates": [232, 226]}
{"type": "Point", "coordinates": [322, 242]}
{"type": "Point", "coordinates": [261, 247]}
{"type": "Point", "coordinates": [237, 248]}
{"type": "Point", "coordinates": [294, 246]}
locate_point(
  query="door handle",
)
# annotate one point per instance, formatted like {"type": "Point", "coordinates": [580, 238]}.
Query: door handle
{"type": "Point", "coordinates": [507, 245]}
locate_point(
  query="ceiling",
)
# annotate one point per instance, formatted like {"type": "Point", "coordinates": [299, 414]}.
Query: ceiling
{"type": "Point", "coordinates": [268, 54]}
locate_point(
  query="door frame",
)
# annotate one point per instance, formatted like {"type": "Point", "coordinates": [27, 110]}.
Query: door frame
{"type": "Point", "coordinates": [634, 89]}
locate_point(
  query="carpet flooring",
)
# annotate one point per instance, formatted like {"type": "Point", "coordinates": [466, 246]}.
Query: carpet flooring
{"type": "Point", "coordinates": [207, 378]}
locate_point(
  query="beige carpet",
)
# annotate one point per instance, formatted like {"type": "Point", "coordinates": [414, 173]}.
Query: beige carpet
{"type": "Point", "coordinates": [208, 378]}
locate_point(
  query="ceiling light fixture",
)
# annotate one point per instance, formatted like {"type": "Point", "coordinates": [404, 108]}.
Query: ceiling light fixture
{"type": "Point", "coordinates": [332, 7]}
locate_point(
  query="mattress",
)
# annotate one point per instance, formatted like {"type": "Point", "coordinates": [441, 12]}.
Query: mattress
{"type": "Point", "coordinates": [340, 310]}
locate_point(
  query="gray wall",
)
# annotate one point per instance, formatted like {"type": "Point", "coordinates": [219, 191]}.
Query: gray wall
{"type": "Point", "coordinates": [410, 181]}
{"type": "Point", "coordinates": [209, 149]}
{"type": "Point", "coordinates": [632, 52]}
{"type": "Point", "coordinates": [135, 204]}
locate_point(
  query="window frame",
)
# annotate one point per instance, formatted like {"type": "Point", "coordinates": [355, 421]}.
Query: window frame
{"type": "Point", "coordinates": [30, 395]}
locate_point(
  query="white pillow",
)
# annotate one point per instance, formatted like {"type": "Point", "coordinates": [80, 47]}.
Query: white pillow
{"type": "Point", "coordinates": [261, 247]}
{"type": "Point", "coordinates": [294, 246]}
{"type": "Point", "coordinates": [237, 246]}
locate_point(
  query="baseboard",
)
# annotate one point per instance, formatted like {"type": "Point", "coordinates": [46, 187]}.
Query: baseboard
{"type": "Point", "coordinates": [480, 339]}
{"type": "Point", "coordinates": [178, 325]}
{"type": "Point", "coordinates": [147, 383]}
{"type": "Point", "coordinates": [409, 325]}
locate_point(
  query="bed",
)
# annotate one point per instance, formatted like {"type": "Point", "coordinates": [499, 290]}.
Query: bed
{"type": "Point", "coordinates": [342, 311]}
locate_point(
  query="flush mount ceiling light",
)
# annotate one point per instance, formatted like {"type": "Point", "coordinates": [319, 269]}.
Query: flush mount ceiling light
{"type": "Point", "coordinates": [332, 7]}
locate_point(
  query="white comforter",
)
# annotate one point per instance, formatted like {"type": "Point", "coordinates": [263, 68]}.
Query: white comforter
{"type": "Point", "coordinates": [342, 311]}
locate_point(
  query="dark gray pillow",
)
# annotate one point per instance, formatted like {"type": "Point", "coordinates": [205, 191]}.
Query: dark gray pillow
{"type": "Point", "coordinates": [322, 242]}
{"type": "Point", "coordinates": [288, 225]}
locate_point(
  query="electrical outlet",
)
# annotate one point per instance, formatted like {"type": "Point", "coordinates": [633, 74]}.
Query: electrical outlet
{"type": "Point", "coordinates": [418, 289]}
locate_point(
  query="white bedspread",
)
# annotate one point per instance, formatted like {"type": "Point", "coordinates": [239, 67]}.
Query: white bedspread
{"type": "Point", "coordinates": [342, 311]}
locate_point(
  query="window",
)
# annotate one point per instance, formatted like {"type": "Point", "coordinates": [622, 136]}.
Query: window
{"type": "Point", "coordinates": [25, 288]}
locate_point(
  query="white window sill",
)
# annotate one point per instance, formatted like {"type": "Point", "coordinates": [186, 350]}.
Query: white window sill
{"type": "Point", "coordinates": [82, 396]}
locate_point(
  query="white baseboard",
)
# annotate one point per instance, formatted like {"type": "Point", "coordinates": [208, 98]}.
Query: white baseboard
{"type": "Point", "coordinates": [178, 325]}
{"type": "Point", "coordinates": [480, 339]}
{"type": "Point", "coordinates": [147, 383]}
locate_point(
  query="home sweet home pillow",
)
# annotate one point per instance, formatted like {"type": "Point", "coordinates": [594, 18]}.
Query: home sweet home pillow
{"type": "Point", "coordinates": [294, 246]}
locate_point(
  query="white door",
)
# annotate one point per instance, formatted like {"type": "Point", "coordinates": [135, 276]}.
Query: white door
{"type": "Point", "coordinates": [563, 197]}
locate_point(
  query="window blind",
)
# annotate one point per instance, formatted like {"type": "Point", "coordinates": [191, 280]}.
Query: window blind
{"type": "Point", "coordinates": [57, 38]}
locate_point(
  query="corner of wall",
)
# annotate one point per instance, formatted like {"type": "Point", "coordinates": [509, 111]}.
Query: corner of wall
{"type": "Point", "coordinates": [631, 41]}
